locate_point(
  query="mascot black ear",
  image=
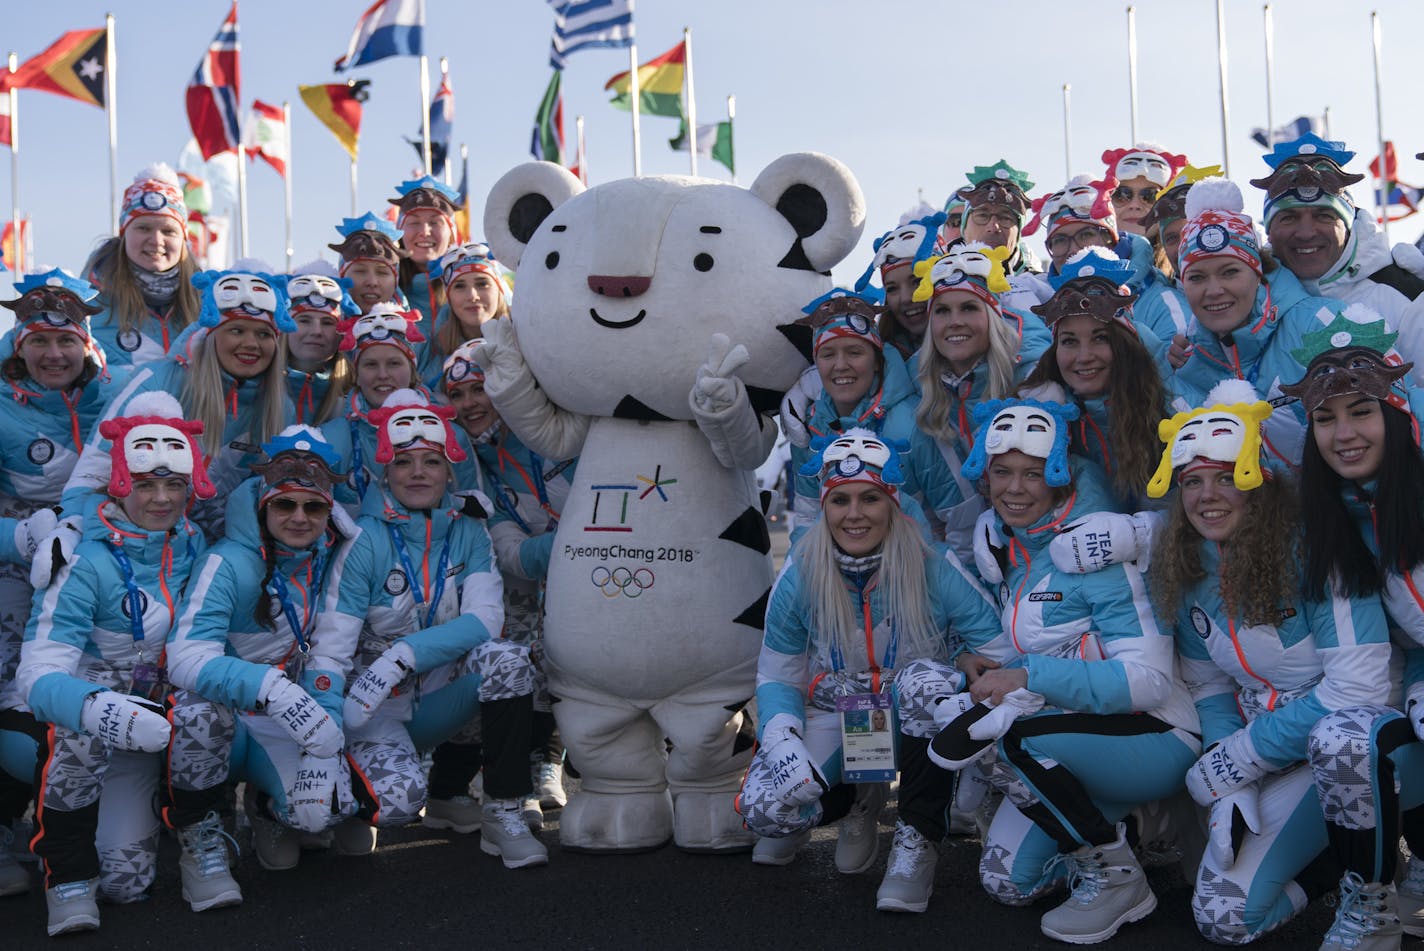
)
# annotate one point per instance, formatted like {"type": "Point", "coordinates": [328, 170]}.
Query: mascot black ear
{"type": "Point", "coordinates": [820, 198]}
{"type": "Point", "coordinates": [520, 201]}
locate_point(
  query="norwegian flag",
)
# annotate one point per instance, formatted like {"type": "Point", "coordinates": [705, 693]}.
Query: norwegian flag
{"type": "Point", "coordinates": [213, 92]}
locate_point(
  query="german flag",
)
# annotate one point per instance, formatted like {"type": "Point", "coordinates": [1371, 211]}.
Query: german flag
{"type": "Point", "coordinates": [338, 106]}
{"type": "Point", "coordinates": [73, 66]}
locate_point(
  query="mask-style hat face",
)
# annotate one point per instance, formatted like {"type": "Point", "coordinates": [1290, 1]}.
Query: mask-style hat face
{"type": "Point", "coordinates": [1226, 431]}
{"type": "Point", "coordinates": [1028, 429]}
{"type": "Point", "coordinates": [1346, 371]}
{"type": "Point", "coordinates": [155, 447]}
{"type": "Point", "coordinates": [245, 293]}
{"type": "Point", "coordinates": [317, 292]}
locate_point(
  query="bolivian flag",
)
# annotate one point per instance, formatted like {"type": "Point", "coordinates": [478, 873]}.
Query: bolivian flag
{"type": "Point", "coordinates": [338, 106]}
{"type": "Point", "coordinates": [73, 66]}
{"type": "Point", "coordinates": [659, 85]}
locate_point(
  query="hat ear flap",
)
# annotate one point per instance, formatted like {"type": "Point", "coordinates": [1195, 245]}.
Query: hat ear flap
{"type": "Point", "coordinates": [1161, 479]}
{"type": "Point", "coordinates": [1102, 204]}
{"type": "Point", "coordinates": [1247, 471]}
{"type": "Point", "coordinates": [203, 486]}
{"type": "Point", "coordinates": [1036, 206]}
{"type": "Point", "coordinates": [976, 461]}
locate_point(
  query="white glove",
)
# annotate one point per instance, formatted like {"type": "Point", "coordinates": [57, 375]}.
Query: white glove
{"type": "Point", "coordinates": [717, 387]}
{"type": "Point", "coordinates": [796, 406]}
{"type": "Point", "coordinates": [297, 712]}
{"type": "Point", "coordinates": [988, 541]}
{"type": "Point", "coordinates": [1414, 708]}
{"type": "Point", "coordinates": [794, 777]}
{"type": "Point", "coordinates": [373, 687]}
{"type": "Point", "coordinates": [500, 355]}
{"type": "Point", "coordinates": [1102, 539]}
{"type": "Point", "coordinates": [506, 670]}
{"type": "Point", "coordinates": [30, 531]}
{"type": "Point", "coordinates": [949, 709]}
{"type": "Point", "coordinates": [126, 723]}
{"type": "Point", "coordinates": [1016, 703]}
{"type": "Point", "coordinates": [1228, 821]}
{"type": "Point", "coordinates": [54, 551]}
{"type": "Point", "coordinates": [320, 794]}
{"type": "Point", "coordinates": [1225, 768]}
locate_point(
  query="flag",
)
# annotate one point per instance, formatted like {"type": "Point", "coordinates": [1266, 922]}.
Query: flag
{"type": "Point", "coordinates": [588, 24]}
{"type": "Point", "coordinates": [1289, 132]}
{"type": "Point", "coordinates": [338, 106]}
{"type": "Point", "coordinates": [10, 245]}
{"type": "Point", "coordinates": [197, 194]}
{"type": "Point", "coordinates": [462, 214]}
{"type": "Point", "coordinates": [714, 140]}
{"type": "Point", "coordinates": [4, 114]}
{"type": "Point", "coordinates": [389, 28]}
{"type": "Point", "coordinates": [213, 92]}
{"type": "Point", "coordinates": [1400, 195]}
{"type": "Point", "coordinates": [73, 66]}
{"type": "Point", "coordinates": [547, 142]}
{"type": "Point", "coordinates": [266, 135]}
{"type": "Point", "coordinates": [442, 123]}
{"type": "Point", "coordinates": [659, 85]}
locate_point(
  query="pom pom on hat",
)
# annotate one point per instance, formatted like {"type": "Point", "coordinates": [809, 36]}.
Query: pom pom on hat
{"type": "Point", "coordinates": [1231, 391]}
{"type": "Point", "coordinates": [154, 403]}
{"type": "Point", "coordinates": [408, 421]}
{"type": "Point", "coordinates": [1214, 194]}
{"type": "Point", "coordinates": [158, 172]}
{"type": "Point", "coordinates": [317, 266]}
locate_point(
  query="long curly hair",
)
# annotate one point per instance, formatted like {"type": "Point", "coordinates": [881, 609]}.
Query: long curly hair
{"type": "Point", "coordinates": [1137, 399]}
{"type": "Point", "coordinates": [1335, 551]}
{"type": "Point", "coordinates": [1258, 567]}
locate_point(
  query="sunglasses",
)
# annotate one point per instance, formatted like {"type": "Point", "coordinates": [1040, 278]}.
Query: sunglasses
{"type": "Point", "coordinates": [315, 508]}
{"type": "Point", "coordinates": [1126, 193]}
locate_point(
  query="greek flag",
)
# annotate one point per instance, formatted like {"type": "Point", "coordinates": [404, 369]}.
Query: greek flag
{"type": "Point", "coordinates": [585, 24]}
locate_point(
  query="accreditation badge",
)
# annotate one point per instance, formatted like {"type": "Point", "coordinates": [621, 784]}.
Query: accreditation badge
{"type": "Point", "coordinates": [867, 738]}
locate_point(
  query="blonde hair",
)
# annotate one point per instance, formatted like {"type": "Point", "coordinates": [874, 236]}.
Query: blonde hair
{"type": "Point", "coordinates": [109, 266]}
{"type": "Point", "coordinates": [904, 592]}
{"type": "Point", "coordinates": [450, 336]}
{"type": "Point", "coordinates": [202, 397]}
{"type": "Point", "coordinates": [341, 376]}
{"type": "Point", "coordinates": [933, 416]}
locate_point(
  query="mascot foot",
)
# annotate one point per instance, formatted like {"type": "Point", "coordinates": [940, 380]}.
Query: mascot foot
{"type": "Point", "coordinates": [616, 822]}
{"type": "Point", "coordinates": [707, 822]}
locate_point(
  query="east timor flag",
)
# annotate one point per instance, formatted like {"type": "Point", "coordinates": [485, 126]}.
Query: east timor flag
{"type": "Point", "coordinates": [659, 85]}
{"type": "Point", "coordinates": [73, 66]}
{"type": "Point", "coordinates": [338, 106]}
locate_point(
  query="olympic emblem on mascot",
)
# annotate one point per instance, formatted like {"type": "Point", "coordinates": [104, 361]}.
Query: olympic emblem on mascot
{"type": "Point", "coordinates": [615, 581]}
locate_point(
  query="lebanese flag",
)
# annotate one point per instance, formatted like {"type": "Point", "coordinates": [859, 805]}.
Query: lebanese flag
{"type": "Point", "coordinates": [266, 135]}
{"type": "Point", "coordinates": [213, 92]}
{"type": "Point", "coordinates": [4, 115]}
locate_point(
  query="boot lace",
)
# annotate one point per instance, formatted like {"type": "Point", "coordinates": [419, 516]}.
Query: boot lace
{"type": "Point", "coordinates": [207, 843]}
{"type": "Point", "coordinates": [906, 852]}
{"type": "Point", "coordinates": [1362, 911]}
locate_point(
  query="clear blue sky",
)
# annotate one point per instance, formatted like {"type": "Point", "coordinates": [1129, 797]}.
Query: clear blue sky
{"type": "Point", "coordinates": [910, 95]}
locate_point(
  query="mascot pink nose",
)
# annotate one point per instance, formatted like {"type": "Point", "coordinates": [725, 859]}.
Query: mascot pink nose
{"type": "Point", "coordinates": [612, 286]}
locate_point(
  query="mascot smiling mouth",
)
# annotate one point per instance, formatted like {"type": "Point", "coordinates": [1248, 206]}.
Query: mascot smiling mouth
{"type": "Point", "coordinates": [617, 324]}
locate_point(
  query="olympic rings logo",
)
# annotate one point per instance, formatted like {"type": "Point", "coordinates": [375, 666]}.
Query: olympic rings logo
{"type": "Point", "coordinates": [615, 581]}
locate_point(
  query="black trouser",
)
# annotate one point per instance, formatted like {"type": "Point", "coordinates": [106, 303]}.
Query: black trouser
{"type": "Point", "coordinates": [17, 791]}
{"type": "Point", "coordinates": [926, 792]}
{"type": "Point", "coordinates": [507, 727]}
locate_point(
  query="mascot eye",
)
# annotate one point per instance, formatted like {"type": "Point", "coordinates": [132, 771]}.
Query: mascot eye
{"type": "Point", "coordinates": [703, 262]}
{"type": "Point", "coordinates": [552, 261]}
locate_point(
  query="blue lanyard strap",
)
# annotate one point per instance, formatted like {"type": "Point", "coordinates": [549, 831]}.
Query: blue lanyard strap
{"type": "Point", "coordinates": [409, 568]}
{"type": "Point", "coordinates": [134, 597]}
{"type": "Point", "coordinates": [358, 468]}
{"type": "Point", "coordinates": [278, 589]}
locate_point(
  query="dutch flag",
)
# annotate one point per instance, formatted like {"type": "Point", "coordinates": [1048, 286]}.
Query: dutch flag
{"type": "Point", "coordinates": [389, 28]}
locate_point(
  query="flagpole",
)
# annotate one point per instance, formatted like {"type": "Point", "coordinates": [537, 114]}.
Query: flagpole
{"type": "Point", "coordinates": [732, 114]}
{"type": "Point", "coordinates": [1221, 73]}
{"type": "Point", "coordinates": [582, 157]}
{"type": "Point", "coordinates": [287, 179]}
{"type": "Point", "coordinates": [691, 100]}
{"type": "Point", "coordinates": [425, 110]}
{"type": "Point", "coordinates": [1325, 118]}
{"type": "Point", "coordinates": [1379, 129]}
{"type": "Point", "coordinates": [444, 81]}
{"type": "Point", "coordinates": [353, 186]}
{"type": "Point", "coordinates": [636, 93]}
{"type": "Point", "coordinates": [241, 200]}
{"type": "Point", "coordinates": [111, 109]}
{"type": "Point", "coordinates": [1068, 129]}
{"type": "Point", "coordinates": [15, 170]}
{"type": "Point", "coordinates": [1132, 68]}
{"type": "Point", "coordinates": [1270, 76]}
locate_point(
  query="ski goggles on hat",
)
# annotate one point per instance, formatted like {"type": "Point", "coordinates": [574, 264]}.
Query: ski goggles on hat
{"type": "Point", "coordinates": [471, 258]}
{"type": "Point", "coordinates": [154, 197]}
{"type": "Point", "coordinates": [1219, 233]}
{"type": "Point", "coordinates": [855, 321]}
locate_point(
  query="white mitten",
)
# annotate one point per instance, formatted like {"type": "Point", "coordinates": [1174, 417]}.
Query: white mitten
{"type": "Point", "coordinates": [54, 551]}
{"type": "Point", "coordinates": [1101, 539]}
{"type": "Point", "coordinates": [373, 687]}
{"type": "Point", "coordinates": [795, 779]}
{"type": "Point", "coordinates": [970, 736]}
{"type": "Point", "coordinates": [297, 712]}
{"type": "Point", "coordinates": [1228, 821]}
{"type": "Point", "coordinates": [796, 406]}
{"type": "Point", "coordinates": [949, 709]}
{"type": "Point", "coordinates": [1016, 703]}
{"type": "Point", "coordinates": [30, 531]}
{"type": "Point", "coordinates": [717, 387]}
{"type": "Point", "coordinates": [1414, 708]}
{"type": "Point", "coordinates": [505, 668]}
{"type": "Point", "coordinates": [1225, 768]}
{"type": "Point", "coordinates": [126, 723]}
{"type": "Point", "coordinates": [500, 355]}
{"type": "Point", "coordinates": [320, 796]}
{"type": "Point", "coordinates": [987, 542]}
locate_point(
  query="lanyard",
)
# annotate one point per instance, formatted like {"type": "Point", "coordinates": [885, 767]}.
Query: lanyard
{"type": "Point", "coordinates": [135, 598]}
{"type": "Point", "coordinates": [278, 589]}
{"type": "Point", "coordinates": [508, 499]}
{"type": "Point", "coordinates": [358, 468]}
{"type": "Point", "coordinates": [838, 660]}
{"type": "Point", "coordinates": [873, 412]}
{"type": "Point", "coordinates": [433, 599]}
